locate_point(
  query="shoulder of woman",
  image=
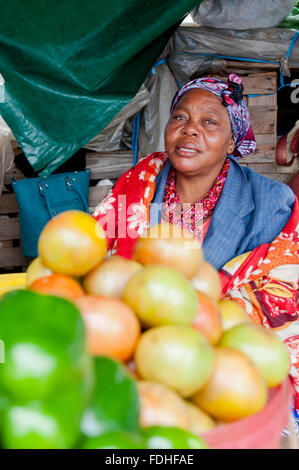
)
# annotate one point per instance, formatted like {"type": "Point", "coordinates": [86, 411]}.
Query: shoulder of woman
{"type": "Point", "coordinates": [266, 190]}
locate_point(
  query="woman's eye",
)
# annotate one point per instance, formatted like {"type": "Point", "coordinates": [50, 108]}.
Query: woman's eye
{"type": "Point", "coordinates": [179, 116]}
{"type": "Point", "coordinates": [210, 121]}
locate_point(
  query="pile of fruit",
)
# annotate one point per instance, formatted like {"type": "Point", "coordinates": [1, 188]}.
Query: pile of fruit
{"type": "Point", "coordinates": [106, 352]}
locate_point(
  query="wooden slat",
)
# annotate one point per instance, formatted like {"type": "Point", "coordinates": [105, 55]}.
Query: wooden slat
{"type": "Point", "coordinates": [102, 165]}
{"type": "Point", "coordinates": [262, 100]}
{"type": "Point", "coordinates": [12, 257]}
{"type": "Point", "coordinates": [258, 83]}
{"type": "Point", "coordinates": [9, 228]}
{"type": "Point", "coordinates": [269, 168]}
{"type": "Point", "coordinates": [265, 139]}
{"type": "Point", "coordinates": [263, 119]}
{"type": "Point", "coordinates": [263, 154]}
{"type": "Point", "coordinates": [9, 205]}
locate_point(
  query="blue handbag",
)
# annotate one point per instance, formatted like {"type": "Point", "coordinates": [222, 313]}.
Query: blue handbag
{"type": "Point", "coordinates": [40, 199]}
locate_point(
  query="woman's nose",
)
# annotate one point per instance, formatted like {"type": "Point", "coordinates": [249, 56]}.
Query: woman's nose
{"type": "Point", "coordinates": [191, 129]}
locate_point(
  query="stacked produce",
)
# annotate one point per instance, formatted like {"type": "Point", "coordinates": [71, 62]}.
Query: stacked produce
{"type": "Point", "coordinates": [143, 353]}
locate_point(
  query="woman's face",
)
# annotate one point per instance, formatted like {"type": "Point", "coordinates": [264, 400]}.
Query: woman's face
{"type": "Point", "coordinates": [198, 135]}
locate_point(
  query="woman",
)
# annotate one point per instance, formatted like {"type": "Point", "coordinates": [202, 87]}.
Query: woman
{"type": "Point", "coordinates": [248, 223]}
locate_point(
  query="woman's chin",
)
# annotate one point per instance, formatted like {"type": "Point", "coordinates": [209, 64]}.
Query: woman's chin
{"type": "Point", "coordinates": [186, 166]}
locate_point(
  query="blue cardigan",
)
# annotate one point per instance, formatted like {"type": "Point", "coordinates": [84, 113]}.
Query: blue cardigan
{"type": "Point", "coordinates": [252, 210]}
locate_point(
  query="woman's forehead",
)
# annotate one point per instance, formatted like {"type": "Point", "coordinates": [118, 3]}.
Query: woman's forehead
{"type": "Point", "coordinates": [198, 95]}
{"type": "Point", "coordinates": [202, 100]}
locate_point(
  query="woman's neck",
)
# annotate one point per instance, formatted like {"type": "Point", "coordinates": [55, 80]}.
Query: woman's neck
{"type": "Point", "coordinates": [192, 188]}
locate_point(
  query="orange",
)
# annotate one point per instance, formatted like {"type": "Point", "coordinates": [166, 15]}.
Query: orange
{"type": "Point", "coordinates": [72, 243]}
{"type": "Point", "coordinates": [112, 328]}
{"type": "Point", "coordinates": [58, 285]}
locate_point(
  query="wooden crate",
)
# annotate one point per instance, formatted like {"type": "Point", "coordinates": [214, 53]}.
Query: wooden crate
{"type": "Point", "coordinates": [103, 165]}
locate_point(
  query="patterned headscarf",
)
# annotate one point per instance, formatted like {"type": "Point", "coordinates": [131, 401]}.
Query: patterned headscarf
{"type": "Point", "coordinates": [230, 94]}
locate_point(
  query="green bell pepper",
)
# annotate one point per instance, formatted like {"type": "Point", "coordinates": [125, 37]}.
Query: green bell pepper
{"type": "Point", "coordinates": [47, 378]}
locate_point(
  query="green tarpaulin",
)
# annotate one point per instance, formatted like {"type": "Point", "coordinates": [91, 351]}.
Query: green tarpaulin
{"type": "Point", "coordinates": [70, 66]}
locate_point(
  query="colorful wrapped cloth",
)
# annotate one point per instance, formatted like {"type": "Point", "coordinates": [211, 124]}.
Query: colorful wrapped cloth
{"type": "Point", "coordinates": [135, 189]}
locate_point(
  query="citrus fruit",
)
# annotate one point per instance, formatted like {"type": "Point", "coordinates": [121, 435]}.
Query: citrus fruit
{"type": "Point", "coordinates": [207, 281]}
{"type": "Point", "coordinates": [263, 347]}
{"type": "Point", "coordinates": [110, 277]}
{"type": "Point", "coordinates": [236, 388]}
{"type": "Point", "coordinates": [170, 245]}
{"type": "Point", "coordinates": [35, 270]}
{"type": "Point", "coordinates": [160, 295]}
{"type": "Point", "coordinates": [177, 356]}
{"type": "Point", "coordinates": [72, 243]}
{"type": "Point", "coordinates": [208, 318]}
{"type": "Point", "coordinates": [232, 314]}
{"type": "Point", "coordinates": [58, 285]}
{"type": "Point", "coordinates": [112, 328]}
{"type": "Point", "coordinates": [157, 437]}
{"type": "Point", "coordinates": [199, 421]}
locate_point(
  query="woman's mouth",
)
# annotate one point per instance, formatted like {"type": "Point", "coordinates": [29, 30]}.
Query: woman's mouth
{"type": "Point", "coordinates": [186, 152]}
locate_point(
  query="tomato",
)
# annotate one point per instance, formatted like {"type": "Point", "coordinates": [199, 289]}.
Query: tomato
{"type": "Point", "coordinates": [112, 328]}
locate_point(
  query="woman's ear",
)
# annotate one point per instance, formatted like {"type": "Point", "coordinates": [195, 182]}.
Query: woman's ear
{"type": "Point", "coordinates": [231, 145]}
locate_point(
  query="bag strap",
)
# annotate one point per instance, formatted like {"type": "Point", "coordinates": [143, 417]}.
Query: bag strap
{"type": "Point", "coordinates": [72, 185]}
{"type": "Point", "coordinates": [43, 191]}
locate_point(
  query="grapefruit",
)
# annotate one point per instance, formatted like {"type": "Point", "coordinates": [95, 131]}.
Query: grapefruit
{"type": "Point", "coordinates": [58, 285]}
{"type": "Point", "coordinates": [208, 318]}
{"type": "Point", "coordinates": [160, 295]}
{"type": "Point", "coordinates": [170, 245]}
{"type": "Point", "coordinates": [160, 406]}
{"type": "Point", "coordinates": [263, 347]}
{"type": "Point", "coordinates": [236, 388]}
{"type": "Point", "coordinates": [72, 243]}
{"type": "Point", "coordinates": [112, 328]}
{"type": "Point", "coordinates": [35, 270]}
{"type": "Point", "coordinates": [232, 314]}
{"type": "Point", "coordinates": [207, 281]}
{"type": "Point", "coordinates": [177, 356]}
{"type": "Point", "coordinates": [110, 277]}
